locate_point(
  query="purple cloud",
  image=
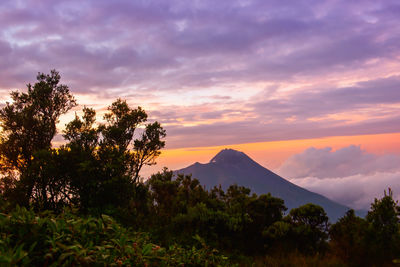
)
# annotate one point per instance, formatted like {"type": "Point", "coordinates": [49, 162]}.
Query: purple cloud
{"type": "Point", "coordinates": [329, 100]}
{"type": "Point", "coordinates": [156, 34]}
{"type": "Point", "coordinates": [275, 119]}
{"type": "Point", "coordinates": [255, 130]}
{"type": "Point", "coordinates": [166, 52]}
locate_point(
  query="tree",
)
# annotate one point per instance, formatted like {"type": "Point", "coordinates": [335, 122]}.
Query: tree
{"type": "Point", "coordinates": [99, 166]}
{"type": "Point", "coordinates": [311, 215]}
{"type": "Point", "coordinates": [29, 124]}
{"type": "Point", "coordinates": [374, 241]}
{"type": "Point", "coordinates": [263, 211]}
{"type": "Point", "coordinates": [310, 226]}
{"type": "Point", "coordinates": [107, 159]}
{"type": "Point", "coordinates": [347, 238]}
{"type": "Point", "coordinates": [82, 172]}
{"type": "Point", "coordinates": [383, 234]}
{"type": "Point", "coordinates": [118, 133]}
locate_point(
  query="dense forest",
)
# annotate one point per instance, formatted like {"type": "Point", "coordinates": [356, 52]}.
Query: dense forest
{"type": "Point", "coordinates": [85, 203]}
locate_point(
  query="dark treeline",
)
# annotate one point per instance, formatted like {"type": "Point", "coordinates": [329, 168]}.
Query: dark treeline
{"type": "Point", "coordinates": [97, 171]}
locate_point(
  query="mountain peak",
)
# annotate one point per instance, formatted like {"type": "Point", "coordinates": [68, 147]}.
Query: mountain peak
{"type": "Point", "coordinates": [230, 167]}
{"type": "Point", "coordinates": [231, 156]}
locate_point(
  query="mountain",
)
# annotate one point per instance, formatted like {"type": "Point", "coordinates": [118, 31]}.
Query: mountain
{"type": "Point", "coordinates": [230, 166]}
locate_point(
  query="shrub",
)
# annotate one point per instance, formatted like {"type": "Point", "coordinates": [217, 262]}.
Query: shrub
{"type": "Point", "coordinates": [28, 238]}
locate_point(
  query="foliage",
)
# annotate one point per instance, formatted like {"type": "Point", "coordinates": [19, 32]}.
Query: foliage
{"type": "Point", "coordinates": [44, 239]}
{"type": "Point", "coordinates": [373, 241]}
{"type": "Point", "coordinates": [304, 229]}
{"type": "Point", "coordinates": [347, 239]}
{"type": "Point", "coordinates": [96, 170]}
{"type": "Point", "coordinates": [225, 220]}
{"type": "Point", "coordinates": [28, 125]}
{"type": "Point", "coordinates": [383, 233]}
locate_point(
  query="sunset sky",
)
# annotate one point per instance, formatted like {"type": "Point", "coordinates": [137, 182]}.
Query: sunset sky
{"type": "Point", "coordinates": [309, 89]}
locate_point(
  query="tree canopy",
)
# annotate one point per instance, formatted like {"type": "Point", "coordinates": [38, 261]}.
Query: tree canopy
{"type": "Point", "coordinates": [29, 122]}
{"type": "Point", "coordinates": [98, 165]}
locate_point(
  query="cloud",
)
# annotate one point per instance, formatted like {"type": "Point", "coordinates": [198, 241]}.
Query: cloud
{"type": "Point", "coordinates": [326, 163]}
{"type": "Point", "coordinates": [356, 191]}
{"type": "Point", "coordinates": [368, 107]}
{"type": "Point", "coordinates": [229, 41]}
{"type": "Point", "coordinates": [333, 64]}
{"type": "Point", "coordinates": [349, 175]}
{"type": "Point", "coordinates": [247, 128]}
{"type": "Point", "coordinates": [327, 100]}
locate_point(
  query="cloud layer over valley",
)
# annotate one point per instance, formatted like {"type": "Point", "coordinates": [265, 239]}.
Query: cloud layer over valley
{"type": "Point", "coordinates": [349, 175]}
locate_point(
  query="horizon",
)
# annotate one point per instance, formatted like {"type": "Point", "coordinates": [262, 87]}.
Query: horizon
{"type": "Point", "coordinates": [308, 89]}
{"type": "Point", "coordinates": [354, 191]}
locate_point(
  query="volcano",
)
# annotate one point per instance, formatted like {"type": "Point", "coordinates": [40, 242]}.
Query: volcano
{"type": "Point", "coordinates": [234, 167]}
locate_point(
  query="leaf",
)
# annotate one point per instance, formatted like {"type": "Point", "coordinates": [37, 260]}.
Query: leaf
{"type": "Point", "coordinates": [147, 249]}
{"type": "Point", "coordinates": [65, 255]}
{"type": "Point", "coordinates": [32, 246]}
{"type": "Point", "coordinates": [4, 259]}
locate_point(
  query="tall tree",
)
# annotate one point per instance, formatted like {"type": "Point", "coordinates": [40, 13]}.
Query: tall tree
{"type": "Point", "coordinates": [107, 159]}
{"type": "Point", "coordinates": [383, 234]}
{"type": "Point", "coordinates": [29, 124]}
{"type": "Point", "coordinates": [347, 239]}
{"type": "Point", "coordinates": [310, 226]}
{"type": "Point", "coordinates": [118, 137]}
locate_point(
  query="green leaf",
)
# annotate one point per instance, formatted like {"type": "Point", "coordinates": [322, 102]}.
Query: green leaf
{"type": "Point", "coordinates": [147, 249]}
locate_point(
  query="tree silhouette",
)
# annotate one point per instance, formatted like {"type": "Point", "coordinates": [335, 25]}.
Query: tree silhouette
{"type": "Point", "coordinates": [348, 239]}
{"type": "Point", "coordinates": [107, 159]}
{"type": "Point", "coordinates": [310, 224]}
{"type": "Point", "coordinates": [118, 133]}
{"type": "Point", "coordinates": [29, 124]}
{"type": "Point", "coordinates": [99, 165]}
{"type": "Point", "coordinates": [383, 234]}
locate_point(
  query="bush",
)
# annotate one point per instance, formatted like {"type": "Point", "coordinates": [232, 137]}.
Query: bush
{"type": "Point", "coordinates": [44, 239]}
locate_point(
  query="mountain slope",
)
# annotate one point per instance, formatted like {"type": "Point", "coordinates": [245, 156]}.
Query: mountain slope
{"type": "Point", "coordinates": [230, 166]}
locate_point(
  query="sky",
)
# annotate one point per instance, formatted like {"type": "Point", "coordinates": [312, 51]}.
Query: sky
{"type": "Point", "coordinates": [310, 89]}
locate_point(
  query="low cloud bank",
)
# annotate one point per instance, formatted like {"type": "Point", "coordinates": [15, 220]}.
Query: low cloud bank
{"type": "Point", "coordinates": [350, 175]}
{"type": "Point", "coordinates": [356, 191]}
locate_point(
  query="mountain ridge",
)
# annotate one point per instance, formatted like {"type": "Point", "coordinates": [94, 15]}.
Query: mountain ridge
{"type": "Point", "coordinates": [234, 167]}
